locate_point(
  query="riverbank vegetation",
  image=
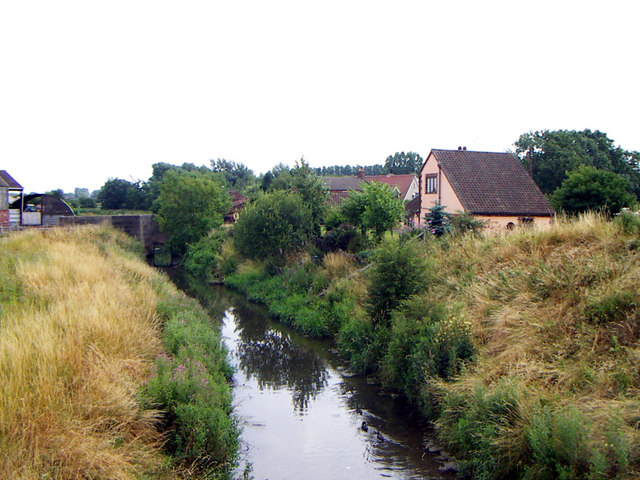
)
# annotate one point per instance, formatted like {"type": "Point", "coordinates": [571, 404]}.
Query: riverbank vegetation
{"type": "Point", "coordinates": [107, 370]}
{"type": "Point", "coordinates": [522, 347]}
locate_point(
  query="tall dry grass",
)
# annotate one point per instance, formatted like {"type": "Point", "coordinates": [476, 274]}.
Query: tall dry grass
{"type": "Point", "coordinates": [78, 335]}
{"type": "Point", "coordinates": [556, 317]}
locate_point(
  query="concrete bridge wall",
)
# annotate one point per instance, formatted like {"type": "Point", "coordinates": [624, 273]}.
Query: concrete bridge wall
{"type": "Point", "coordinates": [143, 227]}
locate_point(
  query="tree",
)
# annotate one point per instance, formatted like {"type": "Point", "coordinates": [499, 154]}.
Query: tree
{"type": "Point", "coordinates": [554, 153]}
{"type": "Point", "coordinates": [403, 163]}
{"type": "Point", "coordinates": [438, 221]}
{"type": "Point", "coordinates": [274, 224]}
{"type": "Point", "coordinates": [306, 183]}
{"type": "Point", "coordinates": [587, 188]}
{"type": "Point", "coordinates": [190, 204]}
{"type": "Point", "coordinates": [238, 176]}
{"type": "Point", "coordinates": [377, 207]}
{"type": "Point", "coordinates": [114, 194]}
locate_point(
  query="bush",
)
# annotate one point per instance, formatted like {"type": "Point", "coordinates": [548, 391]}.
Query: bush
{"type": "Point", "coordinates": [203, 257]}
{"type": "Point", "coordinates": [587, 188]}
{"type": "Point", "coordinates": [274, 225]}
{"type": "Point", "coordinates": [401, 270]}
{"type": "Point", "coordinates": [363, 343]}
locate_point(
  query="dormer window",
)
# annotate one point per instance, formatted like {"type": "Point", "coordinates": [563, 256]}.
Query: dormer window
{"type": "Point", "coordinates": [431, 183]}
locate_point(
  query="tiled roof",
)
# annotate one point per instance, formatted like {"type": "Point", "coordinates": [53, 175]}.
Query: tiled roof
{"type": "Point", "coordinates": [343, 183]}
{"type": "Point", "coordinates": [489, 183]}
{"type": "Point", "coordinates": [403, 182]}
{"type": "Point", "coordinates": [413, 205]}
{"type": "Point", "coordinates": [7, 180]}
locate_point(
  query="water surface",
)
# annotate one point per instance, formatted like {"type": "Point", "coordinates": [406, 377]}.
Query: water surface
{"type": "Point", "coordinates": [303, 414]}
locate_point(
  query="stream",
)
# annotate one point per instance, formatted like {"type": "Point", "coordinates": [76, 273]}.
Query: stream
{"type": "Point", "coordinates": [303, 414]}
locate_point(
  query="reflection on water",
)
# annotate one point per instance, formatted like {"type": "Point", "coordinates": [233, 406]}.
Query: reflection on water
{"type": "Point", "coordinates": [274, 361]}
{"type": "Point", "coordinates": [340, 426]}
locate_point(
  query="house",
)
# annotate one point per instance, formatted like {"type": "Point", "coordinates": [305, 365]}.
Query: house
{"type": "Point", "coordinates": [10, 194]}
{"type": "Point", "coordinates": [238, 202]}
{"type": "Point", "coordinates": [493, 187]}
{"type": "Point", "coordinates": [340, 187]}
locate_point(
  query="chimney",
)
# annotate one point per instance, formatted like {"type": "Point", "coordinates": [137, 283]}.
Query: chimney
{"type": "Point", "coordinates": [459, 148]}
{"type": "Point", "coordinates": [464, 148]}
{"type": "Point", "coordinates": [361, 173]}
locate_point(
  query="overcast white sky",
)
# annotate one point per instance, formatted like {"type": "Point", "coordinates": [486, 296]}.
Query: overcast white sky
{"type": "Point", "coordinates": [96, 89]}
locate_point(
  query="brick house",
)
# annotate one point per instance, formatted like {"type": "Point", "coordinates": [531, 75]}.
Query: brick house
{"type": "Point", "coordinates": [10, 193]}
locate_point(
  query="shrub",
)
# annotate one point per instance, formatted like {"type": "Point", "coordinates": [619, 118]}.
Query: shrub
{"type": "Point", "coordinates": [275, 224]}
{"type": "Point", "coordinates": [401, 270]}
{"type": "Point", "coordinates": [425, 341]}
{"type": "Point", "coordinates": [629, 221]}
{"type": "Point", "coordinates": [466, 223]}
{"type": "Point", "coordinates": [203, 257]}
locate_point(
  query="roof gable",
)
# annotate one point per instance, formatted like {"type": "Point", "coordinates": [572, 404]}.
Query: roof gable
{"type": "Point", "coordinates": [491, 183]}
{"type": "Point", "coordinates": [7, 180]}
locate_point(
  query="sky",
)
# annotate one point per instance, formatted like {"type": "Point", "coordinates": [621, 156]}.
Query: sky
{"type": "Point", "coordinates": [92, 90]}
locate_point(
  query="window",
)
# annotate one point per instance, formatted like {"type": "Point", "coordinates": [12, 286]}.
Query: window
{"type": "Point", "coordinates": [431, 183]}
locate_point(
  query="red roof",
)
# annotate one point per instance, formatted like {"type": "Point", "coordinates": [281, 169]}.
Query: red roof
{"type": "Point", "coordinates": [402, 182]}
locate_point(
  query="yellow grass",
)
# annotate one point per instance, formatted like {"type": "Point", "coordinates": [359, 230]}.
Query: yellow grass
{"type": "Point", "coordinates": [527, 293]}
{"type": "Point", "coordinates": [78, 335]}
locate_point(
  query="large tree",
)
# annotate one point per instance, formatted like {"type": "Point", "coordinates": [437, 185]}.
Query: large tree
{"type": "Point", "coordinates": [238, 176]}
{"type": "Point", "coordinates": [377, 207]}
{"type": "Point", "coordinates": [554, 153]}
{"type": "Point", "coordinates": [306, 183]}
{"type": "Point", "coordinates": [190, 204]}
{"type": "Point", "coordinates": [587, 188]}
{"type": "Point", "coordinates": [273, 225]}
{"type": "Point", "coordinates": [403, 163]}
{"type": "Point", "coordinates": [118, 194]}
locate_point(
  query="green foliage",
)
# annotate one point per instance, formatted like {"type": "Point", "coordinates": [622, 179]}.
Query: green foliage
{"type": "Point", "coordinates": [203, 256]}
{"type": "Point", "coordinates": [274, 224]}
{"type": "Point", "coordinates": [190, 384]}
{"type": "Point", "coordinates": [377, 208]}
{"type": "Point", "coordinates": [118, 194]}
{"type": "Point", "coordinates": [629, 221]}
{"type": "Point", "coordinates": [610, 308]}
{"type": "Point", "coordinates": [403, 163]}
{"type": "Point", "coordinates": [438, 222]}
{"type": "Point", "coordinates": [473, 424]}
{"type": "Point", "coordinates": [401, 270]}
{"type": "Point", "coordinates": [557, 152]}
{"type": "Point", "coordinates": [363, 343]}
{"type": "Point", "coordinates": [463, 223]}
{"type": "Point", "coordinates": [425, 341]}
{"type": "Point", "coordinates": [588, 188]}
{"type": "Point", "coordinates": [237, 175]}
{"type": "Point", "coordinates": [293, 297]}
{"type": "Point", "coordinates": [190, 205]}
{"type": "Point", "coordinates": [562, 447]}
{"type": "Point", "coordinates": [308, 185]}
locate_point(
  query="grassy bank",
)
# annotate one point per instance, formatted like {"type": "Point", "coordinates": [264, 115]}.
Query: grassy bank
{"type": "Point", "coordinates": [523, 348]}
{"type": "Point", "coordinates": [90, 339]}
